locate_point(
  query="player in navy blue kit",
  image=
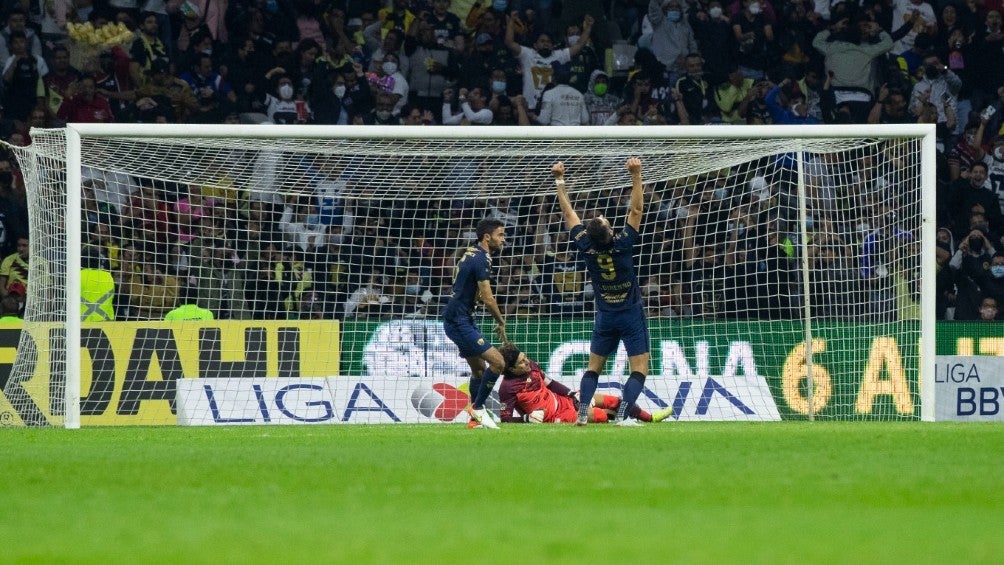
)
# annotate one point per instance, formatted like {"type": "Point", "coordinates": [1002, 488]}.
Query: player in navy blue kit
{"type": "Point", "coordinates": [471, 284]}
{"type": "Point", "coordinates": [620, 315]}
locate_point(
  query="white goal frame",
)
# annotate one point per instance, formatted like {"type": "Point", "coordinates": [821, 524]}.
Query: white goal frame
{"type": "Point", "coordinates": [75, 131]}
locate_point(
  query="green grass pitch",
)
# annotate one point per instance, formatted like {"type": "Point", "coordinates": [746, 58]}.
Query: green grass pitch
{"type": "Point", "coordinates": [675, 492]}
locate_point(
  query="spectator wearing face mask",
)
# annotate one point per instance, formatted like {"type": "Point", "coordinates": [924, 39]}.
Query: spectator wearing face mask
{"type": "Point", "coordinates": [282, 107]}
{"type": "Point", "coordinates": [393, 43]}
{"type": "Point", "coordinates": [713, 32]}
{"type": "Point", "coordinates": [672, 37]}
{"type": "Point", "coordinates": [536, 61]}
{"type": "Point", "coordinates": [479, 64]}
{"type": "Point", "coordinates": [388, 78]}
{"type": "Point", "coordinates": [581, 67]}
{"type": "Point", "coordinates": [600, 102]}
{"type": "Point", "coordinates": [755, 36]}
{"type": "Point", "coordinates": [499, 84]}
{"type": "Point", "coordinates": [736, 7]}
{"type": "Point", "coordinates": [993, 285]}
{"type": "Point", "coordinates": [988, 309]}
{"type": "Point", "coordinates": [333, 102]}
{"type": "Point", "coordinates": [382, 113]}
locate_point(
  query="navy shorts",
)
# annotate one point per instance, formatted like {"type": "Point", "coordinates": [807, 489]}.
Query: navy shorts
{"type": "Point", "coordinates": [466, 335]}
{"type": "Point", "coordinates": [629, 326]}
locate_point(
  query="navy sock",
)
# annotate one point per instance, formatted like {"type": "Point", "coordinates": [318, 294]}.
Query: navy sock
{"type": "Point", "coordinates": [488, 379]}
{"type": "Point", "coordinates": [473, 386]}
{"type": "Point", "coordinates": [632, 390]}
{"type": "Point", "coordinates": [587, 388]}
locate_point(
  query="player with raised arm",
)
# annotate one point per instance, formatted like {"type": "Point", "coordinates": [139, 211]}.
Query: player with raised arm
{"type": "Point", "coordinates": [620, 313]}
{"type": "Point", "coordinates": [472, 283]}
{"type": "Point", "coordinates": [537, 61]}
{"type": "Point", "coordinates": [528, 395]}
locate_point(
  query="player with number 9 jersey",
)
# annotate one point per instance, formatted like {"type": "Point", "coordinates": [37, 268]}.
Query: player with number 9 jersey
{"type": "Point", "coordinates": [620, 313]}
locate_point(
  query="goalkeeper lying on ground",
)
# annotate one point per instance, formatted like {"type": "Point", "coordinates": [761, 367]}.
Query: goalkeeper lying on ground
{"type": "Point", "coordinates": [527, 395]}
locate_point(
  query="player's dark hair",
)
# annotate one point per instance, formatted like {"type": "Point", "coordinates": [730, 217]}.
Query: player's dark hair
{"type": "Point", "coordinates": [510, 354]}
{"type": "Point", "coordinates": [597, 231]}
{"type": "Point", "coordinates": [487, 226]}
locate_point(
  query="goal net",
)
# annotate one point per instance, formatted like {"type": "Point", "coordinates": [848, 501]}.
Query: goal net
{"type": "Point", "coordinates": [785, 270]}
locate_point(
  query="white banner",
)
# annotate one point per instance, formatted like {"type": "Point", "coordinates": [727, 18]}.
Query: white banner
{"type": "Point", "coordinates": [376, 400]}
{"type": "Point", "coordinates": [969, 388]}
{"type": "Point", "coordinates": [245, 401]}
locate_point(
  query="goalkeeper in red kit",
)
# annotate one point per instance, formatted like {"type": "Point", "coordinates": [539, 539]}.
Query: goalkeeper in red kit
{"type": "Point", "coordinates": [527, 395]}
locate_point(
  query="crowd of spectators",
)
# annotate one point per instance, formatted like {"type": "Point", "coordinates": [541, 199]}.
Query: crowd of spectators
{"type": "Point", "coordinates": [530, 63]}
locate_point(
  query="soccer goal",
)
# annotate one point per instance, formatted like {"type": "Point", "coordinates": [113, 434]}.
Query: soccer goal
{"type": "Point", "coordinates": [206, 275]}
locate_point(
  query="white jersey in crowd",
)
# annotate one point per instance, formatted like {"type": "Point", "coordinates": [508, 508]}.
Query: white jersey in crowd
{"type": "Point", "coordinates": [537, 71]}
{"type": "Point", "coordinates": [303, 233]}
{"type": "Point", "coordinates": [280, 111]}
{"type": "Point", "coordinates": [563, 106]}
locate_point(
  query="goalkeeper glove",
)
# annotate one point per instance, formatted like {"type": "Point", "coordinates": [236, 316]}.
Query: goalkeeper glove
{"type": "Point", "coordinates": [535, 417]}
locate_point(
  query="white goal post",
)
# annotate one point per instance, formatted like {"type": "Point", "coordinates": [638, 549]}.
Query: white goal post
{"type": "Point", "coordinates": [788, 271]}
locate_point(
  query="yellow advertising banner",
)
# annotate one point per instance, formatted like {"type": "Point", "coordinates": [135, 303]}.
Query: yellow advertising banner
{"type": "Point", "coordinates": [128, 369]}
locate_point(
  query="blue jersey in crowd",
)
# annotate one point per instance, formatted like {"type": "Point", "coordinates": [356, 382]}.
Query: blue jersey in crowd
{"type": "Point", "coordinates": [611, 269]}
{"type": "Point", "coordinates": [473, 267]}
